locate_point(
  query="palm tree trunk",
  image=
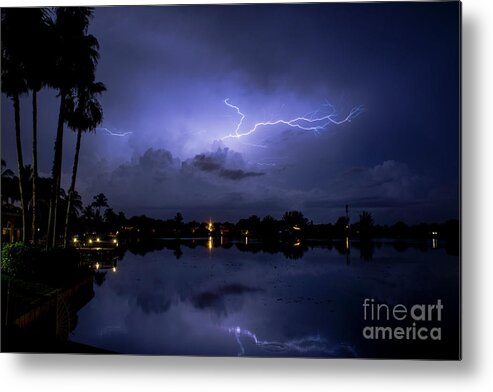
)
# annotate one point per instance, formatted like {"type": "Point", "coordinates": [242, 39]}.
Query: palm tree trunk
{"type": "Point", "coordinates": [56, 174]}
{"type": "Point", "coordinates": [20, 163]}
{"type": "Point", "coordinates": [72, 187]}
{"type": "Point", "coordinates": [35, 166]}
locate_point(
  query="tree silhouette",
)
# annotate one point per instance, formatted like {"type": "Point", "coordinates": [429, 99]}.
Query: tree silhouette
{"type": "Point", "coordinates": [179, 218]}
{"type": "Point", "coordinates": [178, 221]}
{"type": "Point", "coordinates": [110, 217]}
{"type": "Point", "coordinates": [88, 213]}
{"type": "Point", "coordinates": [43, 195]}
{"type": "Point", "coordinates": [14, 38]}
{"type": "Point", "coordinates": [77, 205]}
{"type": "Point", "coordinates": [365, 224]}
{"type": "Point", "coordinates": [342, 226]}
{"type": "Point", "coordinates": [76, 54]}
{"type": "Point", "coordinates": [294, 218]}
{"type": "Point", "coordinates": [84, 114]}
{"type": "Point", "coordinates": [100, 201]}
{"type": "Point", "coordinates": [37, 67]}
{"type": "Point", "coordinates": [269, 227]}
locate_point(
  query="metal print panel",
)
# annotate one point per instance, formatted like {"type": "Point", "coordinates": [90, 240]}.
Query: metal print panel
{"type": "Point", "coordinates": [232, 180]}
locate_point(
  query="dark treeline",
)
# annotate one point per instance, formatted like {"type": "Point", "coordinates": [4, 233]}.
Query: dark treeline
{"type": "Point", "coordinates": [91, 218]}
{"type": "Point", "coordinates": [292, 226]}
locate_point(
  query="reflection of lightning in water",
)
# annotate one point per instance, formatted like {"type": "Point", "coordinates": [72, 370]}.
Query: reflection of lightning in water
{"type": "Point", "coordinates": [113, 133]}
{"type": "Point", "coordinates": [309, 344]}
{"type": "Point", "coordinates": [310, 122]}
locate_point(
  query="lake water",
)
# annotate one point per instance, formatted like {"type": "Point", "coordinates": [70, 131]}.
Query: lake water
{"type": "Point", "coordinates": [201, 298]}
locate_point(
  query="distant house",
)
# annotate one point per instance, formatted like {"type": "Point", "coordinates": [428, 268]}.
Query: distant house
{"type": "Point", "coordinates": [11, 224]}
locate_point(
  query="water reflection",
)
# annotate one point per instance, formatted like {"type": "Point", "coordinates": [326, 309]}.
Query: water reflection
{"type": "Point", "coordinates": [265, 299]}
{"type": "Point", "coordinates": [292, 250]}
{"type": "Point", "coordinates": [366, 249]}
{"type": "Point", "coordinates": [304, 345]}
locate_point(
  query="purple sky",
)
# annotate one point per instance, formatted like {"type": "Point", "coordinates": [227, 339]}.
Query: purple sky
{"type": "Point", "coordinates": [168, 71]}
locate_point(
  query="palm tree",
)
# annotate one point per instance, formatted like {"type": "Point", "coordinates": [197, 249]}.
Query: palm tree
{"type": "Point", "coordinates": [77, 206]}
{"type": "Point", "coordinates": [76, 59]}
{"type": "Point", "coordinates": [99, 202]}
{"type": "Point", "coordinates": [37, 68]}
{"type": "Point", "coordinates": [27, 173]}
{"type": "Point", "coordinates": [88, 213]}
{"type": "Point", "coordinates": [14, 83]}
{"type": "Point", "coordinates": [85, 115]}
{"type": "Point", "coordinates": [110, 216]}
{"type": "Point", "coordinates": [43, 194]}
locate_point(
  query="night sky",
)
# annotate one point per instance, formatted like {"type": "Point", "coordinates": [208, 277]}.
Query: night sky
{"type": "Point", "coordinates": [169, 69]}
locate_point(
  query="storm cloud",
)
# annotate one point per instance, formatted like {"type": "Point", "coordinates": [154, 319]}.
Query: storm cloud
{"type": "Point", "coordinates": [216, 163]}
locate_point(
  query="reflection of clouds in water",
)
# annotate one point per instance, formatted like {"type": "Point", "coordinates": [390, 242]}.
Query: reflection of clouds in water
{"type": "Point", "coordinates": [305, 345]}
{"type": "Point", "coordinates": [311, 307]}
{"type": "Point", "coordinates": [153, 297]}
{"type": "Point", "coordinates": [215, 299]}
{"type": "Point", "coordinates": [111, 330]}
{"type": "Point", "coordinates": [153, 304]}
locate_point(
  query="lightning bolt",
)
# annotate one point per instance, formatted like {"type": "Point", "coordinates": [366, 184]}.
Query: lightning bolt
{"type": "Point", "coordinates": [112, 133]}
{"type": "Point", "coordinates": [310, 122]}
{"type": "Point", "coordinates": [238, 126]}
{"type": "Point", "coordinates": [304, 345]}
